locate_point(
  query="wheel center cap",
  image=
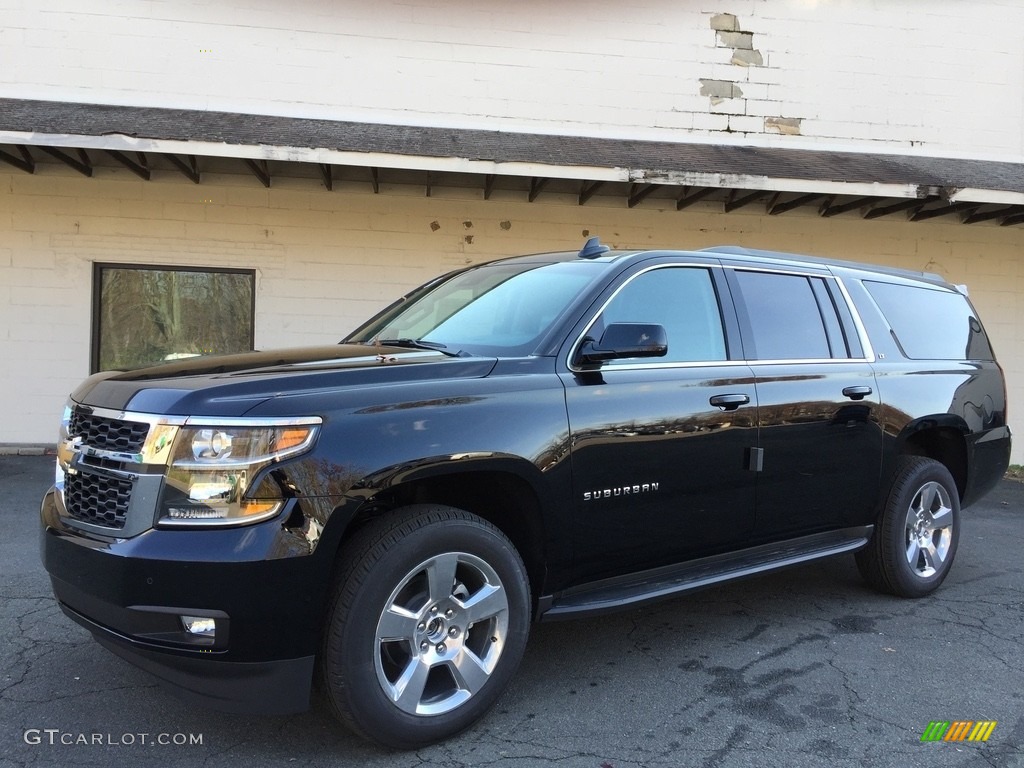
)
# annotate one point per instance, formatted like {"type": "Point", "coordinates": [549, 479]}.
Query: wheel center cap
{"type": "Point", "coordinates": [436, 629]}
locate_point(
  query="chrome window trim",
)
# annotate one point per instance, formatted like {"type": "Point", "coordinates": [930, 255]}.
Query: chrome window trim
{"type": "Point", "coordinates": [862, 332]}
{"type": "Point", "coordinates": [826, 274]}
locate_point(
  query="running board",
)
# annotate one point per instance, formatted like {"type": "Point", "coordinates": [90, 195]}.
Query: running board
{"type": "Point", "coordinates": [645, 586]}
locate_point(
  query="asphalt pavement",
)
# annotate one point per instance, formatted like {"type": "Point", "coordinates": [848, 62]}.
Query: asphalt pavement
{"type": "Point", "coordinates": [804, 667]}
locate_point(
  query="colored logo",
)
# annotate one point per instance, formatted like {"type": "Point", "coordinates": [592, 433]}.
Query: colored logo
{"type": "Point", "coordinates": [958, 730]}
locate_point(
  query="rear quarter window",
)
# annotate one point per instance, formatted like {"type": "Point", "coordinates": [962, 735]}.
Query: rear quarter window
{"type": "Point", "coordinates": [931, 323]}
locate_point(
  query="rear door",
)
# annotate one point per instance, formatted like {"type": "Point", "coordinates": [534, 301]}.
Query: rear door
{"type": "Point", "coordinates": [818, 408]}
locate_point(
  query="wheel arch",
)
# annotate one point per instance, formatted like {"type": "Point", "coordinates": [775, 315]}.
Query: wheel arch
{"type": "Point", "coordinates": [506, 491]}
{"type": "Point", "coordinates": [942, 438]}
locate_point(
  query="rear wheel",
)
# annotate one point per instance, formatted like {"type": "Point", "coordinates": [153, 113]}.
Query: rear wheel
{"type": "Point", "coordinates": [428, 623]}
{"type": "Point", "coordinates": [915, 538]}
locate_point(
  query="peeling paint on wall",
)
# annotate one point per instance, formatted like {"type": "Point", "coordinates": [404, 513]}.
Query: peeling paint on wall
{"type": "Point", "coordinates": [747, 58]}
{"type": "Point", "coordinates": [725, 22]}
{"type": "Point", "coordinates": [729, 35]}
{"type": "Point", "coordinates": [719, 90]}
{"type": "Point", "coordinates": [737, 39]}
{"type": "Point", "coordinates": [789, 126]}
{"type": "Point", "coordinates": [744, 102]}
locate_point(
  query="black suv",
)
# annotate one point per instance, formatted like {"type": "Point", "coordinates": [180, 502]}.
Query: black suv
{"type": "Point", "coordinates": [535, 438]}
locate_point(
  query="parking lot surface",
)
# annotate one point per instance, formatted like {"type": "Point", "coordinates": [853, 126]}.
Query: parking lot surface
{"type": "Point", "coordinates": [804, 667]}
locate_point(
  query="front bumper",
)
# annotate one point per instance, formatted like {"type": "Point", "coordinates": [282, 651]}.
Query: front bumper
{"type": "Point", "coordinates": [267, 603]}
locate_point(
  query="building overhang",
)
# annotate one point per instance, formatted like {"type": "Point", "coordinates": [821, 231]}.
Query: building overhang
{"type": "Point", "coordinates": [782, 179]}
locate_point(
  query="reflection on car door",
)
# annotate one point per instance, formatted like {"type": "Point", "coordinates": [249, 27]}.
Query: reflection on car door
{"type": "Point", "coordinates": [659, 473]}
{"type": "Point", "coordinates": [818, 421]}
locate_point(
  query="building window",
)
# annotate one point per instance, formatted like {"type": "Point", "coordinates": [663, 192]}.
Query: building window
{"type": "Point", "coordinates": [144, 315]}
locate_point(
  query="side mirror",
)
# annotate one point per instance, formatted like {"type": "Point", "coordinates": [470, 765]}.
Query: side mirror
{"type": "Point", "coordinates": [621, 340]}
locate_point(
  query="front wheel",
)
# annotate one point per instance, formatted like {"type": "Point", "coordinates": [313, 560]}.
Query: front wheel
{"type": "Point", "coordinates": [427, 625]}
{"type": "Point", "coordinates": [915, 538]}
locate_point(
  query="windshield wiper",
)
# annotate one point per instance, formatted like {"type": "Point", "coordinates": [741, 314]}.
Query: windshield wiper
{"type": "Point", "coordinates": [414, 344]}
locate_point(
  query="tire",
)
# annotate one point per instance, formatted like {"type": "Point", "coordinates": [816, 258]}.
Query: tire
{"type": "Point", "coordinates": [916, 535]}
{"type": "Point", "coordinates": [426, 626]}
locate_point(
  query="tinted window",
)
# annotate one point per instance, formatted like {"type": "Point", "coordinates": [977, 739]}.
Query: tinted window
{"type": "Point", "coordinates": [683, 300]}
{"type": "Point", "coordinates": [784, 318]}
{"type": "Point", "coordinates": [931, 323]}
{"type": "Point", "coordinates": [492, 309]}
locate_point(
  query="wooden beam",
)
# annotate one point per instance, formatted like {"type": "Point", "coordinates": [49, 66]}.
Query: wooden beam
{"type": "Point", "coordinates": [191, 170]}
{"type": "Point", "coordinates": [488, 185]}
{"type": "Point", "coordinates": [734, 202]}
{"type": "Point", "coordinates": [587, 190]}
{"type": "Point", "coordinates": [902, 205]}
{"type": "Point", "coordinates": [375, 180]}
{"type": "Point", "coordinates": [637, 193]}
{"type": "Point", "coordinates": [775, 207]}
{"type": "Point", "coordinates": [430, 182]}
{"type": "Point", "coordinates": [536, 185]}
{"type": "Point", "coordinates": [327, 173]}
{"type": "Point", "coordinates": [140, 168]}
{"type": "Point", "coordinates": [25, 162]}
{"type": "Point", "coordinates": [83, 165]}
{"type": "Point", "coordinates": [827, 209]}
{"type": "Point", "coordinates": [260, 168]}
{"type": "Point", "coordinates": [685, 200]}
{"type": "Point", "coordinates": [1009, 221]}
{"type": "Point", "coordinates": [944, 209]}
{"type": "Point", "coordinates": [998, 213]}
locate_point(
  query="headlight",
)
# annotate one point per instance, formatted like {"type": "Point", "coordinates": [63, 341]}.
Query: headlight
{"type": "Point", "coordinates": [64, 448]}
{"type": "Point", "coordinates": [212, 468]}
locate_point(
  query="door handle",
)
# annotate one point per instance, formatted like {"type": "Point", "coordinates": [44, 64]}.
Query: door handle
{"type": "Point", "coordinates": [729, 402]}
{"type": "Point", "coordinates": [857, 393]}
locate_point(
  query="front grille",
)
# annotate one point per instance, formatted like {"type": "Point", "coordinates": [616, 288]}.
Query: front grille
{"type": "Point", "coordinates": [107, 434]}
{"type": "Point", "coordinates": [97, 499]}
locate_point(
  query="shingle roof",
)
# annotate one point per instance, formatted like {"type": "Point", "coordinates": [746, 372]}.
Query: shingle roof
{"type": "Point", "coordinates": [649, 159]}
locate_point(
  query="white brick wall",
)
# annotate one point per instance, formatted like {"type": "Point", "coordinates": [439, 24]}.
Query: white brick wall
{"type": "Point", "coordinates": [327, 260]}
{"type": "Point", "coordinates": [945, 76]}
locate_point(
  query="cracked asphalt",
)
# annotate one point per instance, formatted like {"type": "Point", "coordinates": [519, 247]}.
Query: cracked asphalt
{"type": "Point", "coordinates": [804, 667]}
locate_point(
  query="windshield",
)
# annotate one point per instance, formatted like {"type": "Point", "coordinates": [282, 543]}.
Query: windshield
{"type": "Point", "coordinates": [493, 309]}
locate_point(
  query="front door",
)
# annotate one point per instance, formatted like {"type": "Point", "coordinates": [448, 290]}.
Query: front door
{"type": "Point", "coordinates": [660, 474]}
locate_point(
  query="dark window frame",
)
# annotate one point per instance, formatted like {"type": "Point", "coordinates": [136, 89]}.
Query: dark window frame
{"type": "Point", "coordinates": [96, 325]}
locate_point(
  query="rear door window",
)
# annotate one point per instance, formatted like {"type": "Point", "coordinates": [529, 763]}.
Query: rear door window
{"type": "Point", "coordinates": [783, 318]}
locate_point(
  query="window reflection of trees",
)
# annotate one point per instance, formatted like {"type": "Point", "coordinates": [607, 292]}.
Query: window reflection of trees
{"type": "Point", "coordinates": [148, 315]}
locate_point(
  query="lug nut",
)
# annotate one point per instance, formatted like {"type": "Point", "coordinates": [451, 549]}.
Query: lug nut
{"type": "Point", "coordinates": [441, 648]}
{"type": "Point", "coordinates": [449, 613]}
{"type": "Point", "coordinates": [424, 645]}
{"type": "Point", "coordinates": [421, 626]}
{"type": "Point", "coordinates": [453, 631]}
{"type": "Point", "coordinates": [433, 609]}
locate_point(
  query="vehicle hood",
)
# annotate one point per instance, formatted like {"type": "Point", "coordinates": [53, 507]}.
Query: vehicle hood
{"type": "Point", "coordinates": [231, 385]}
